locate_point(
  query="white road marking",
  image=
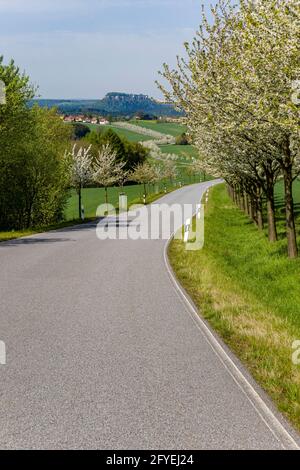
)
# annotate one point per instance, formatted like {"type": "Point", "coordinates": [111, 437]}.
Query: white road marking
{"type": "Point", "coordinates": [278, 430]}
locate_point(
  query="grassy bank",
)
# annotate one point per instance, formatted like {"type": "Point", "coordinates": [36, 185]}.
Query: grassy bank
{"type": "Point", "coordinates": [123, 133]}
{"type": "Point", "coordinates": [250, 293]}
{"type": "Point", "coordinates": [185, 152]}
{"type": "Point", "coordinates": [163, 128]}
{"type": "Point", "coordinates": [13, 234]}
{"type": "Point", "coordinates": [170, 128]}
{"type": "Point", "coordinates": [92, 197]}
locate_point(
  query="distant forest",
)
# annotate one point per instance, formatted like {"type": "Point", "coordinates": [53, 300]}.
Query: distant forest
{"type": "Point", "coordinates": [113, 104]}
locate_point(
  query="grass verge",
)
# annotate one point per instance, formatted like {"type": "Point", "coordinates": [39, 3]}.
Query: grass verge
{"type": "Point", "coordinates": [13, 234]}
{"type": "Point", "coordinates": [250, 294]}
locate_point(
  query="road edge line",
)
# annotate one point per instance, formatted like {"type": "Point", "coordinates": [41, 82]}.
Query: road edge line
{"type": "Point", "coordinates": [279, 431]}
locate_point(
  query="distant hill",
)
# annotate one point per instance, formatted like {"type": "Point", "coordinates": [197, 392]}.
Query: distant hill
{"type": "Point", "coordinates": [114, 104]}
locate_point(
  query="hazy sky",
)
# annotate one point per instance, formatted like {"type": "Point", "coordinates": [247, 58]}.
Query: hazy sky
{"type": "Point", "coordinates": [86, 48]}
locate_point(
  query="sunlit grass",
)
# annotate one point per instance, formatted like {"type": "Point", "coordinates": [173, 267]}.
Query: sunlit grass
{"type": "Point", "coordinates": [250, 293]}
{"type": "Point", "coordinates": [169, 128]}
{"type": "Point", "coordinates": [94, 197]}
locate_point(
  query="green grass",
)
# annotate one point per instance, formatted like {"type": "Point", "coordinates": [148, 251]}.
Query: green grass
{"type": "Point", "coordinates": [93, 197]}
{"type": "Point", "coordinates": [173, 129]}
{"type": "Point", "coordinates": [4, 236]}
{"type": "Point", "coordinates": [250, 293]}
{"type": "Point", "coordinates": [169, 128]}
{"type": "Point", "coordinates": [123, 133]}
{"type": "Point", "coordinates": [280, 210]}
{"type": "Point", "coordinates": [185, 152]}
{"type": "Point", "coordinates": [279, 194]}
{"type": "Point", "coordinates": [13, 234]}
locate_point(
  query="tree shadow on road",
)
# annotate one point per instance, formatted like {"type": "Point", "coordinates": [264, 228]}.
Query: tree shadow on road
{"type": "Point", "coordinates": [33, 241]}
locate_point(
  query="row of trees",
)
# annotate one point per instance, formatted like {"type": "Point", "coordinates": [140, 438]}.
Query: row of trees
{"type": "Point", "coordinates": [36, 167]}
{"type": "Point", "coordinates": [33, 177]}
{"type": "Point", "coordinates": [133, 153]}
{"type": "Point", "coordinates": [240, 89]}
{"type": "Point", "coordinates": [105, 169]}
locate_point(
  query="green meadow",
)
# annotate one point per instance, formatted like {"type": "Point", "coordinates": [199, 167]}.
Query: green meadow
{"type": "Point", "coordinates": [93, 197]}
{"type": "Point", "coordinates": [170, 128]}
{"type": "Point", "coordinates": [123, 133]}
{"type": "Point", "coordinates": [183, 151]}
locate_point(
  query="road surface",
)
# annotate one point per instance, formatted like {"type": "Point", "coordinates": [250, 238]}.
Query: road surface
{"type": "Point", "coordinates": [104, 352]}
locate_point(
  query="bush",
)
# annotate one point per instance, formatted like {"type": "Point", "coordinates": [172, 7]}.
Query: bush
{"type": "Point", "coordinates": [182, 139]}
{"type": "Point", "coordinates": [79, 130]}
{"type": "Point", "coordinates": [130, 152]}
{"type": "Point", "coordinates": [34, 171]}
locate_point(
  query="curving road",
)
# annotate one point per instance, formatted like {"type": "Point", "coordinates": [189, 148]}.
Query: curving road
{"type": "Point", "coordinates": [104, 351]}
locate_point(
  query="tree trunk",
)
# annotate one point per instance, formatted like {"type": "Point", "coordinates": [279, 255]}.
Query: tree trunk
{"type": "Point", "coordinates": [234, 195]}
{"type": "Point", "coordinates": [260, 220]}
{"type": "Point", "coordinates": [272, 230]}
{"type": "Point", "coordinates": [289, 212]}
{"type": "Point", "coordinates": [254, 210]}
{"type": "Point", "coordinates": [250, 207]}
{"type": "Point", "coordinates": [259, 210]}
{"type": "Point", "coordinates": [238, 199]}
{"type": "Point", "coordinates": [242, 200]}
{"type": "Point", "coordinates": [246, 204]}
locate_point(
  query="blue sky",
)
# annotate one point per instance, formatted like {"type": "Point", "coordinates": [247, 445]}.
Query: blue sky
{"type": "Point", "coordinates": [86, 48]}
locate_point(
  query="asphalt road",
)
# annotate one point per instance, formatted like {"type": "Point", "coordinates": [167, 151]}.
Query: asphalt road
{"type": "Point", "coordinates": [104, 352]}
